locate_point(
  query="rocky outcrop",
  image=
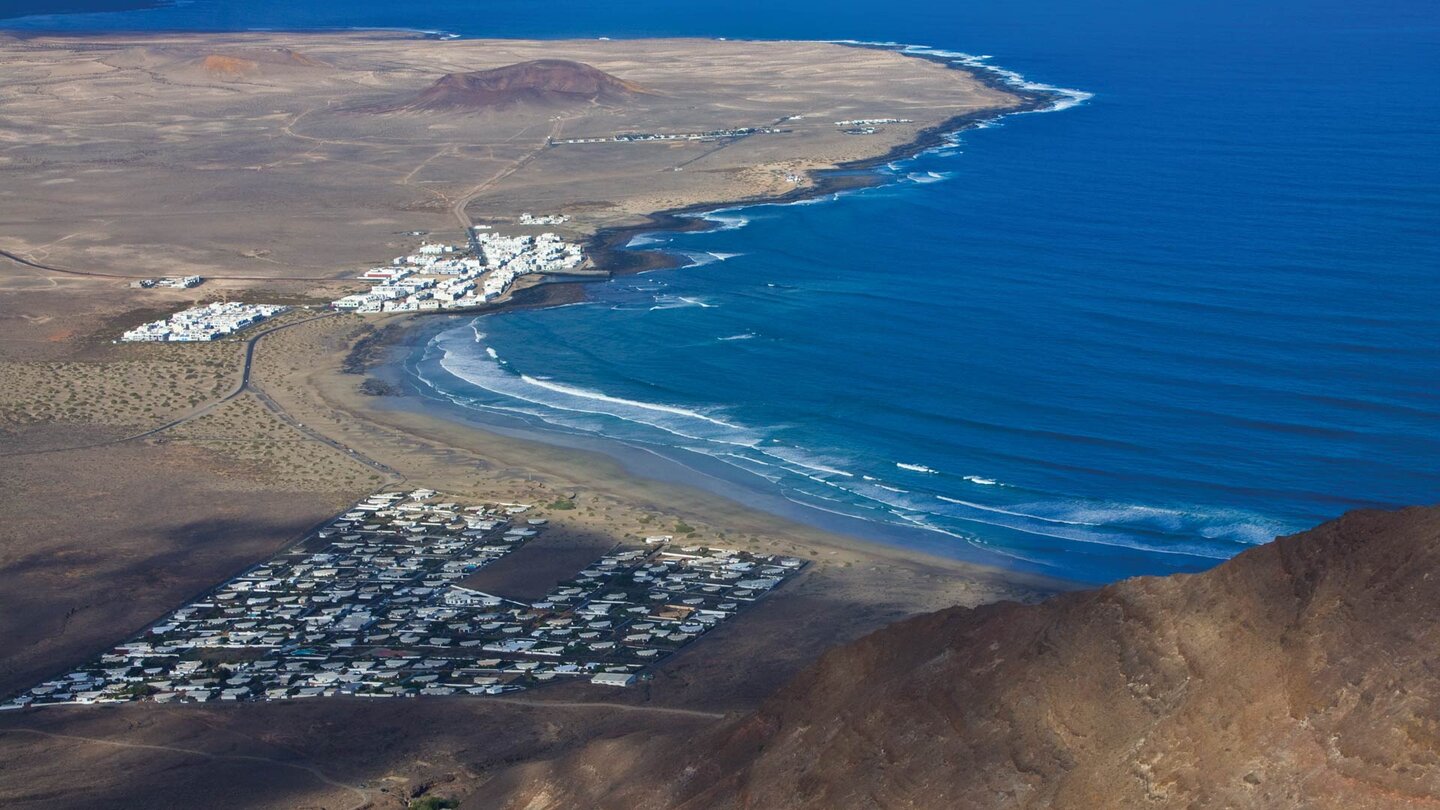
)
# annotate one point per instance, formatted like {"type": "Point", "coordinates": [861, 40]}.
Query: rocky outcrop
{"type": "Point", "coordinates": [544, 83]}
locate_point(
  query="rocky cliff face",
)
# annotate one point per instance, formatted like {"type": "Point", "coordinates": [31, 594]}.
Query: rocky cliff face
{"type": "Point", "coordinates": [1304, 673]}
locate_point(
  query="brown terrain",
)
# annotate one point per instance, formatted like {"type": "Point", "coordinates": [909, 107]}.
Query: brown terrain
{"type": "Point", "coordinates": [244, 155]}
{"type": "Point", "coordinates": [137, 476]}
{"type": "Point", "coordinates": [1299, 674]}
{"type": "Point", "coordinates": [549, 83]}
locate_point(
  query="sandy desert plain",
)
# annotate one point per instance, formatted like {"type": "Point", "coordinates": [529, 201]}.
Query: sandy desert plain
{"type": "Point", "coordinates": [136, 476]}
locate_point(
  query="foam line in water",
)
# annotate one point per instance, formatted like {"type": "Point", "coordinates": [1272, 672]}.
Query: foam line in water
{"type": "Point", "coordinates": [928, 177]}
{"type": "Point", "coordinates": [557, 398]}
{"type": "Point", "coordinates": [598, 396]}
{"type": "Point", "coordinates": [725, 219]}
{"type": "Point", "coordinates": [807, 460]}
{"type": "Point", "coordinates": [1063, 97]}
{"type": "Point", "coordinates": [999, 510]}
{"type": "Point", "coordinates": [680, 302]}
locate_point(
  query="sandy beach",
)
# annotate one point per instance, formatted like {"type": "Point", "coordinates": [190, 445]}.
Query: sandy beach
{"type": "Point", "coordinates": [150, 473]}
{"type": "Point", "coordinates": [854, 587]}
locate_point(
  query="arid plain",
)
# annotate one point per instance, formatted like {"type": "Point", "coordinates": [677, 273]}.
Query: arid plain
{"type": "Point", "coordinates": [297, 156]}
{"type": "Point", "coordinates": [279, 166]}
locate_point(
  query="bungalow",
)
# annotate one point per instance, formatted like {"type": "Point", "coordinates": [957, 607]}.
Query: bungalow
{"type": "Point", "coordinates": [621, 679]}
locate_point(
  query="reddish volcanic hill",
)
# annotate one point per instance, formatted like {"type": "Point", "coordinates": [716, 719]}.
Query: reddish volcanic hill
{"type": "Point", "coordinates": [550, 83]}
{"type": "Point", "coordinates": [1304, 673]}
{"type": "Point", "coordinates": [246, 63]}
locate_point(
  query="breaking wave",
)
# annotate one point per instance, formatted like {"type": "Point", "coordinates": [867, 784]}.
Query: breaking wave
{"type": "Point", "coordinates": [928, 177]}
{"type": "Point", "coordinates": [700, 258]}
{"type": "Point", "coordinates": [680, 302]}
{"type": "Point", "coordinates": [1063, 98]}
{"type": "Point", "coordinates": [929, 499]}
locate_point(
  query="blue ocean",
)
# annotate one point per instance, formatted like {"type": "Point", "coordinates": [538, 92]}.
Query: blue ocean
{"type": "Point", "coordinates": [1190, 308]}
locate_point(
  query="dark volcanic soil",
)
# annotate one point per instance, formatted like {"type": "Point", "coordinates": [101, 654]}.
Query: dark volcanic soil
{"type": "Point", "coordinates": [1299, 674]}
{"type": "Point", "coordinates": [547, 83]}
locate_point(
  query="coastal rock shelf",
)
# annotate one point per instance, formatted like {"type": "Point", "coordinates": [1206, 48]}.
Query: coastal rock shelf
{"type": "Point", "coordinates": [371, 605]}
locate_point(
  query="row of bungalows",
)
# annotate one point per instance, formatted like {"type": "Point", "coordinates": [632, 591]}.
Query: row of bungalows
{"type": "Point", "coordinates": [203, 323]}
{"type": "Point", "coordinates": [379, 575]}
{"type": "Point", "coordinates": [639, 605]}
{"type": "Point", "coordinates": [374, 604]}
{"type": "Point", "coordinates": [706, 135]}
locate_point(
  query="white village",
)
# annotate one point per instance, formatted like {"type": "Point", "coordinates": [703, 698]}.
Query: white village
{"type": "Point", "coordinates": [204, 323]}
{"type": "Point", "coordinates": [439, 276]}
{"type": "Point", "coordinates": [435, 277]}
{"type": "Point", "coordinates": [374, 604]}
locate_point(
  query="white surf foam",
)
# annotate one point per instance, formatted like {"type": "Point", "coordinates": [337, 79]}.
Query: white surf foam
{"type": "Point", "coordinates": [1189, 532]}
{"type": "Point", "coordinates": [928, 177]}
{"type": "Point", "coordinates": [1063, 98]}
{"type": "Point", "coordinates": [807, 460]}
{"type": "Point", "coordinates": [564, 405]}
{"type": "Point", "coordinates": [1002, 511]}
{"type": "Point", "coordinates": [599, 396]}
{"type": "Point", "coordinates": [700, 258]}
{"type": "Point", "coordinates": [728, 219]}
{"type": "Point", "coordinates": [680, 302]}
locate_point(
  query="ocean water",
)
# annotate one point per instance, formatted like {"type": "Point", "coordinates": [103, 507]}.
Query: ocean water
{"type": "Point", "coordinates": [1135, 335]}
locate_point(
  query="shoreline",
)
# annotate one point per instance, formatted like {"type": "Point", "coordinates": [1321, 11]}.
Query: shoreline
{"type": "Point", "coordinates": [609, 251]}
{"type": "Point", "coordinates": [675, 466]}
{"type": "Point", "coordinates": [644, 479]}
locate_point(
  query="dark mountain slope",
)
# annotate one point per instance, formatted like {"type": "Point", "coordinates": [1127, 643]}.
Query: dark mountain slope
{"type": "Point", "coordinates": [1304, 673]}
